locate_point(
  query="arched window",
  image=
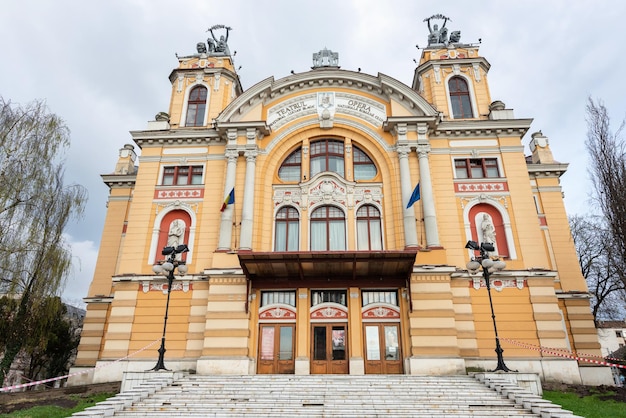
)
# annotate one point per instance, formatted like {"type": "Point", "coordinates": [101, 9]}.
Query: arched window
{"type": "Point", "coordinates": [460, 98]}
{"type": "Point", "coordinates": [287, 235]}
{"type": "Point", "coordinates": [327, 155]}
{"type": "Point", "coordinates": [364, 167]}
{"type": "Point", "coordinates": [328, 229]}
{"type": "Point", "coordinates": [196, 106]}
{"type": "Point", "coordinates": [290, 168]}
{"type": "Point", "coordinates": [368, 228]}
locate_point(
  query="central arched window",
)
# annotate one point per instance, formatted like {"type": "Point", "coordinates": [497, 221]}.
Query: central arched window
{"type": "Point", "coordinates": [196, 106]}
{"type": "Point", "coordinates": [368, 228]}
{"type": "Point", "coordinates": [328, 229]}
{"type": "Point", "coordinates": [327, 155]}
{"type": "Point", "coordinates": [287, 234]}
{"type": "Point", "coordinates": [460, 98]}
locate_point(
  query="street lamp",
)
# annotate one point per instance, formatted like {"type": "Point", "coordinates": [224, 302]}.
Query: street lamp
{"type": "Point", "coordinates": [488, 266]}
{"type": "Point", "coordinates": [167, 268]}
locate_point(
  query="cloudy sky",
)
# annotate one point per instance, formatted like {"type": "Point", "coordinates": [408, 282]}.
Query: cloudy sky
{"type": "Point", "coordinates": [103, 66]}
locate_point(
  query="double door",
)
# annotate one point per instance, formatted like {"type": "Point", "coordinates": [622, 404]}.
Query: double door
{"type": "Point", "coordinates": [276, 349]}
{"type": "Point", "coordinates": [382, 348]}
{"type": "Point", "coordinates": [329, 349]}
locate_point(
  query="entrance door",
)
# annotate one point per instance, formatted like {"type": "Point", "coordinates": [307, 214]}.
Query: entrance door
{"type": "Point", "coordinates": [329, 352]}
{"type": "Point", "coordinates": [382, 349]}
{"type": "Point", "coordinates": [276, 349]}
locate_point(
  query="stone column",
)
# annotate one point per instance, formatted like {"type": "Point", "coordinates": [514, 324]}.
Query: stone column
{"type": "Point", "coordinates": [428, 202]}
{"type": "Point", "coordinates": [226, 225]}
{"type": "Point", "coordinates": [247, 212]}
{"type": "Point", "coordinates": [410, 231]}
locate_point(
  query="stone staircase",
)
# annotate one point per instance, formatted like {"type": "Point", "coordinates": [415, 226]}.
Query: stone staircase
{"type": "Point", "coordinates": [327, 396]}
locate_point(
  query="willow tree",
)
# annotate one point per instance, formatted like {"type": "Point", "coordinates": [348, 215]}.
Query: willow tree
{"type": "Point", "coordinates": [35, 208]}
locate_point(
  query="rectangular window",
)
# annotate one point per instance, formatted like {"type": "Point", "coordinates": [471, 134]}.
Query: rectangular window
{"type": "Point", "coordinates": [476, 168]}
{"type": "Point", "coordinates": [379, 296]}
{"type": "Point", "coordinates": [272, 298]}
{"type": "Point", "coordinates": [182, 175]}
{"type": "Point", "coordinates": [619, 334]}
{"type": "Point", "coordinates": [324, 296]}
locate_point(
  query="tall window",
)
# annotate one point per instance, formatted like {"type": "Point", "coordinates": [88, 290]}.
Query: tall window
{"type": "Point", "coordinates": [182, 175]}
{"type": "Point", "coordinates": [290, 168]}
{"type": "Point", "coordinates": [368, 229]}
{"type": "Point", "coordinates": [460, 98]}
{"type": "Point", "coordinates": [476, 168]}
{"type": "Point", "coordinates": [364, 168]}
{"type": "Point", "coordinates": [327, 155]}
{"type": "Point", "coordinates": [328, 229]}
{"type": "Point", "coordinates": [287, 230]}
{"type": "Point", "coordinates": [196, 106]}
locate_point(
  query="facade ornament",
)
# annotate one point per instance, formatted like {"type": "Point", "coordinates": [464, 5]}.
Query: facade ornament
{"type": "Point", "coordinates": [231, 155]}
{"type": "Point", "coordinates": [423, 150]}
{"type": "Point", "coordinates": [403, 151]}
{"type": "Point", "coordinates": [326, 109]}
{"type": "Point", "coordinates": [251, 155]}
{"type": "Point", "coordinates": [180, 84]}
{"type": "Point", "coordinates": [216, 84]}
{"type": "Point", "coordinates": [325, 58]}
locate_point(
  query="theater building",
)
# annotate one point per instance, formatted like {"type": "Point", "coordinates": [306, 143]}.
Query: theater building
{"type": "Point", "coordinates": [326, 215]}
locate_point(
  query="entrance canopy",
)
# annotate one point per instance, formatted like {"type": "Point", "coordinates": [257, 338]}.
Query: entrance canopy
{"type": "Point", "coordinates": [328, 269]}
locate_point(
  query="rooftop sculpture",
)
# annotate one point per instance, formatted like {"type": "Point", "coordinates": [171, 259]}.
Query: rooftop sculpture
{"type": "Point", "coordinates": [215, 46]}
{"type": "Point", "coordinates": [439, 35]}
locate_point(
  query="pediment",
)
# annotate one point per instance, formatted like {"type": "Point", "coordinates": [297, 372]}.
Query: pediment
{"type": "Point", "coordinates": [327, 95]}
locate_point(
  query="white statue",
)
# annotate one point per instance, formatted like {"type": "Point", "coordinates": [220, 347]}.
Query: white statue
{"type": "Point", "coordinates": [176, 233]}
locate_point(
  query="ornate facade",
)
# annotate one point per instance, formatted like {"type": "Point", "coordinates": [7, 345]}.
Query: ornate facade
{"type": "Point", "coordinates": [326, 215]}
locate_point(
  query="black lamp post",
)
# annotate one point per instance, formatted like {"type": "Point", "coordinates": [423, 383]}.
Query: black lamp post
{"type": "Point", "coordinates": [488, 266]}
{"type": "Point", "coordinates": [167, 267]}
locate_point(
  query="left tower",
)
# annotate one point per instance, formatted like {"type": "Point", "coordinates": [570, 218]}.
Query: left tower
{"type": "Point", "coordinates": [162, 204]}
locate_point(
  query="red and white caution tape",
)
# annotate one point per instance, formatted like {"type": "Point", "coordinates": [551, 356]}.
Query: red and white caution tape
{"type": "Point", "coordinates": [562, 353]}
{"type": "Point", "coordinates": [38, 382]}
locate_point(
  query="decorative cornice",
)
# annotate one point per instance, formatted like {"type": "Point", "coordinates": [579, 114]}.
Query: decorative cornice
{"type": "Point", "coordinates": [547, 170]}
{"type": "Point", "coordinates": [481, 128]}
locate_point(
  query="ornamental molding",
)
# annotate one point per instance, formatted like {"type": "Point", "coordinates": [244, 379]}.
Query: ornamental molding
{"type": "Point", "coordinates": [329, 311]}
{"type": "Point", "coordinates": [380, 312]}
{"type": "Point", "coordinates": [484, 198]}
{"type": "Point", "coordinates": [176, 205]}
{"type": "Point", "coordinates": [174, 193]}
{"type": "Point", "coordinates": [153, 286]}
{"type": "Point", "coordinates": [277, 312]}
{"type": "Point", "coordinates": [498, 284]}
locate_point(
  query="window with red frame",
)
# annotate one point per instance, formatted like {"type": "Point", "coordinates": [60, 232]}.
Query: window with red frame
{"type": "Point", "coordinates": [196, 106]}
{"type": "Point", "coordinates": [476, 168]}
{"type": "Point", "coordinates": [182, 175]}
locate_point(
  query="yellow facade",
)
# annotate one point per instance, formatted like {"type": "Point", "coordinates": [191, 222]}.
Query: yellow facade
{"type": "Point", "coordinates": [318, 266]}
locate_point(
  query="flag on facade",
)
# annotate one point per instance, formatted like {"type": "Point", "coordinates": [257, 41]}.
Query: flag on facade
{"type": "Point", "coordinates": [414, 197]}
{"type": "Point", "coordinates": [230, 199]}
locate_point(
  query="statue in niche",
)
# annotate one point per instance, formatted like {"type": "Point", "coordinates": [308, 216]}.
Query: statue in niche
{"type": "Point", "coordinates": [176, 233]}
{"type": "Point", "coordinates": [488, 230]}
{"type": "Point", "coordinates": [219, 46]}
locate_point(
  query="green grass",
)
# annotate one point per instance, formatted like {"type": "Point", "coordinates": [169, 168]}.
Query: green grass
{"type": "Point", "coordinates": [587, 406]}
{"type": "Point", "coordinates": [58, 412]}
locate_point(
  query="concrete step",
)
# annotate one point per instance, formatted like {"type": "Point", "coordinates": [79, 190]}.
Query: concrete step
{"type": "Point", "coordinates": [327, 396]}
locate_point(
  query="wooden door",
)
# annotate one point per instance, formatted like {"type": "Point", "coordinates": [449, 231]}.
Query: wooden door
{"type": "Point", "coordinates": [382, 348]}
{"type": "Point", "coordinates": [329, 349]}
{"type": "Point", "coordinates": [276, 349]}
